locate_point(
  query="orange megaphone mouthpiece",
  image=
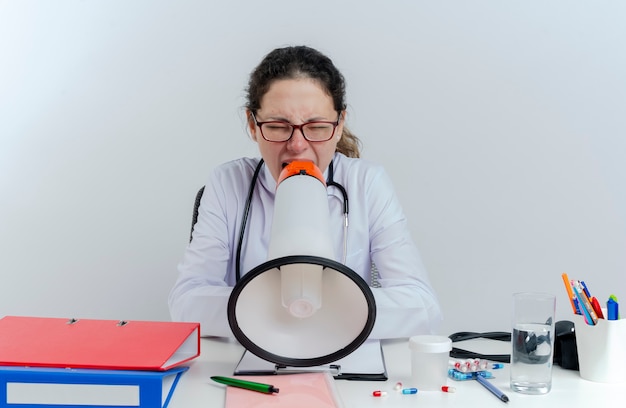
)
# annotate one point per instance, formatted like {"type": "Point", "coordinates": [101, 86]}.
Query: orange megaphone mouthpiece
{"type": "Point", "coordinates": [301, 168]}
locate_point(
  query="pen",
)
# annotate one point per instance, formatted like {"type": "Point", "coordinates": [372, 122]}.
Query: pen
{"type": "Point", "coordinates": [585, 305]}
{"type": "Point", "coordinates": [248, 385]}
{"type": "Point", "coordinates": [584, 286]}
{"type": "Point", "coordinates": [494, 390]}
{"type": "Point", "coordinates": [585, 312]}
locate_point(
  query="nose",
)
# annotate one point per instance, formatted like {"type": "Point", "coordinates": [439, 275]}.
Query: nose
{"type": "Point", "coordinates": [297, 141]}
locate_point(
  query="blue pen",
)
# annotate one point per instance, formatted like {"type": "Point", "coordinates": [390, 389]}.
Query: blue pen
{"type": "Point", "coordinates": [494, 390]}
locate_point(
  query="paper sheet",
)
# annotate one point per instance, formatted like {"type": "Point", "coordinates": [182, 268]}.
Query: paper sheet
{"type": "Point", "coordinates": [304, 390]}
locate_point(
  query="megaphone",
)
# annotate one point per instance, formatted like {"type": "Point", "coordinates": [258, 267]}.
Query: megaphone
{"type": "Point", "coordinates": [301, 308]}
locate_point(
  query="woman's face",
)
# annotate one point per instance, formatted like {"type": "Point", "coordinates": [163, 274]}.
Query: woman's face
{"type": "Point", "coordinates": [296, 101]}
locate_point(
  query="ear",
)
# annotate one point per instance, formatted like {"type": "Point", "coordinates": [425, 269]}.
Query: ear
{"type": "Point", "coordinates": [251, 125]}
{"type": "Point", "coordinates": [342, 121]}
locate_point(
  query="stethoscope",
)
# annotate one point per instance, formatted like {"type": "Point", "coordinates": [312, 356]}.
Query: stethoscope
{"type": "Point", "coordinates": [329, 182]}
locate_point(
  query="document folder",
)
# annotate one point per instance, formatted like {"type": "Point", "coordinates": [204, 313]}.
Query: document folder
{"type": "Point", "coordinates": [32, 387]}
{"type": "Point", "coordinates": [98, 344]}
{"type": "Point", "coordinates": [367, 363]}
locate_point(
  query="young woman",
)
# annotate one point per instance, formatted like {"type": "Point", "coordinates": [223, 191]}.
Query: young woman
{"type": "Point", "coordinates": [296, 110]}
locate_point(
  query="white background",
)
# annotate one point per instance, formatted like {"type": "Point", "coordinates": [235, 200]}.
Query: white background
{"type": "Point", "coordinates": [502, 125]}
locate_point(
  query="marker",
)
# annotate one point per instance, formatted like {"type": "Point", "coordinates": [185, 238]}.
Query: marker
{"type": "Point", "coordinates": [596, 307]}
{"type": "Point", "coordinates": [494, 390]}
{"type": "Point", "coordinates": [570, 294]}
{"type": "Point", "coordinates": [615, 299]}
{"type": "Point", "coordinates": [248, 385]}
{"type": "Point", "coordinates": [612, 309]}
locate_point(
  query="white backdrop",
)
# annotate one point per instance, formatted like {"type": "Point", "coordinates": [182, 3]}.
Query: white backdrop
{"type": "Point", "coordinates": [502, 125]}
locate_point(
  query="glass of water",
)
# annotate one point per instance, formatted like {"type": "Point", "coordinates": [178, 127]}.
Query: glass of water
{"type": "Point", "coordinates": [532, 342]}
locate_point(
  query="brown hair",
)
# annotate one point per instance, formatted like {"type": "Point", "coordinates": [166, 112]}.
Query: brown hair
{"type": "Point", "coordinates": [303, 62]}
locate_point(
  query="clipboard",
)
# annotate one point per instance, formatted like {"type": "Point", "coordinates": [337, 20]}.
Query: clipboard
{"type": "Point", "coordinates": [79, 388]}
{"type": "Point", "coordinates": [97, 344]}
{"type": "Point", "coordinates": [367, 363]}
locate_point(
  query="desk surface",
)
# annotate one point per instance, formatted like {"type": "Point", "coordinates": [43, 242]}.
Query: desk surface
{"type": "Point", "coordinates": [220, 356]}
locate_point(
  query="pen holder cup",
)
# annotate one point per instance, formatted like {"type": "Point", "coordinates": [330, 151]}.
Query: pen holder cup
{"type": "Point", "coordinates": [601, 350]}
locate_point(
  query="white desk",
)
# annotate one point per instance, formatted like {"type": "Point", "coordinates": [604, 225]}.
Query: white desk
{"type": "Point", "coordinates": [219, 357]}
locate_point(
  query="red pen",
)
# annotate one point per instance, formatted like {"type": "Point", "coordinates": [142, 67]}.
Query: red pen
{"type": "Point", "coordinates": [596, 307]}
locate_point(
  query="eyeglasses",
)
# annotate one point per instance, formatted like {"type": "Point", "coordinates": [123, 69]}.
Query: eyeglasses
{"type": "Point", "coordinates": [281, 131]}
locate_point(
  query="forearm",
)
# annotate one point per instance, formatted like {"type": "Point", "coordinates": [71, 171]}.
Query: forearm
{"type": "Point", "coordinates": [405, 311]}
{"type": "Point", "coordinates": [204, 304]}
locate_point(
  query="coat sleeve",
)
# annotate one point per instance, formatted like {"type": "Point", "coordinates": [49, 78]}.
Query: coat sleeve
{"type": "Point", "coordinates": [203, 287]}
{"type": "Point", "coordinates": [406, 303]}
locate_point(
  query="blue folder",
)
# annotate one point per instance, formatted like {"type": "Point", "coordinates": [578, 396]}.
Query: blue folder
{"type": "Point", "coordinates": [36, 387]}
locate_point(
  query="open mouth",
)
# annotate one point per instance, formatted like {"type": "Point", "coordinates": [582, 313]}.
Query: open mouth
{"type": "Point", "coordinates": [288, 162]}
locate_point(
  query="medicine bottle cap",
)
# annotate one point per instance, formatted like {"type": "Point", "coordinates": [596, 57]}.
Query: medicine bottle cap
{"type": "Point", "coordinates": [430, 344]}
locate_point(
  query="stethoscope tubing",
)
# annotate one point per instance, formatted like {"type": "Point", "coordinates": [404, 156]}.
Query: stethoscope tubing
{"type": "Point", "coordinates": [329, 182]}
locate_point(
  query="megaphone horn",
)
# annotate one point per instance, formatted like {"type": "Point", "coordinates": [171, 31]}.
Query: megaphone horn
{"type": "Point", "coordinates": [301, 308]}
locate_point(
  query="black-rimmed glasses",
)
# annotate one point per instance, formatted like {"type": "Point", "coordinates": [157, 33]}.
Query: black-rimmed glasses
{"type": "Point", "coordinates": [281, 131]}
